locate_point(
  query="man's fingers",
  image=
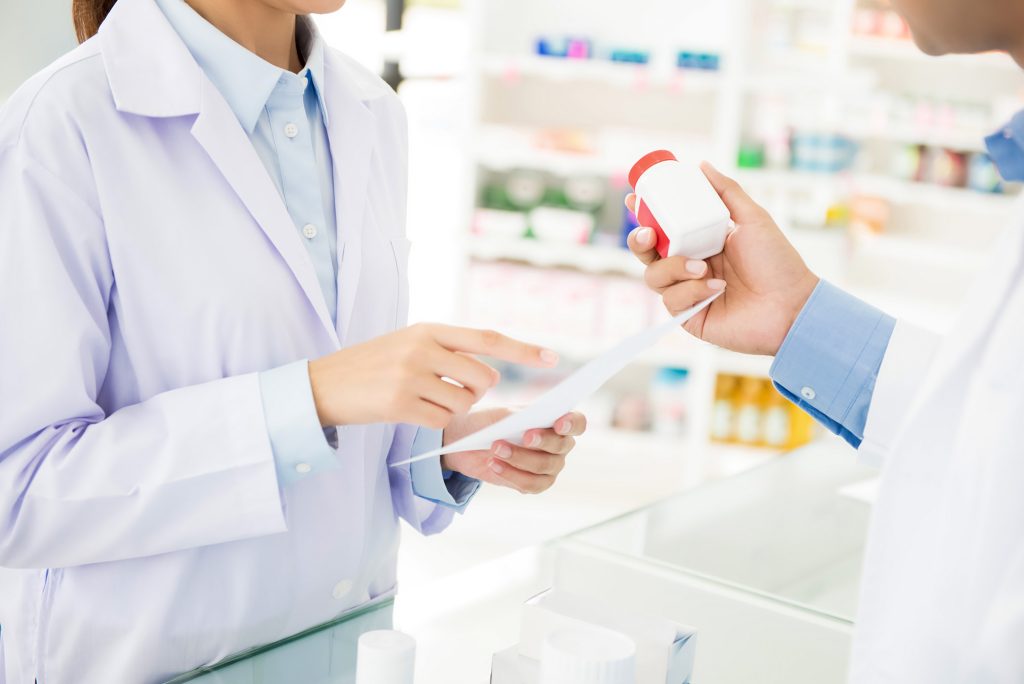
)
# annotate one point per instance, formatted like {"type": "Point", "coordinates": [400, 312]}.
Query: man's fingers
{"type": "Point", "coordinates": [643, 244]}
{"type": "Point", "coordinates": [491, 343]}
{"type": "Point", "coordinates": [741, 207]}
{"type": "Point", "coordinates": [668, 272]}
{"type": "Point", "coordinates": [682, 296]}
{"type": "Point", "coordinates": [631, 202]}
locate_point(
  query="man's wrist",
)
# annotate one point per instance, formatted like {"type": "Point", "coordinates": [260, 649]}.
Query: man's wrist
{"type": "Point", "coordinates": [806, 289]}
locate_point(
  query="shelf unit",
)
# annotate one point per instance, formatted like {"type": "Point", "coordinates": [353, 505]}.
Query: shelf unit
{"type": "Point", "coordinates": [626, 110]}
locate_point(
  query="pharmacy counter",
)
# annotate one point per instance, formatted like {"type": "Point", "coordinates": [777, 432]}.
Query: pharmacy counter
{"type": "Point", "coordinates": [764, 565]}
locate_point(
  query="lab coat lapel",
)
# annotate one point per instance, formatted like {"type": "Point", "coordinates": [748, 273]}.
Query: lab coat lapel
{"type": "Point", "coordinates": [220, 134]}
{"type": "Point", "coordinates": [351, 131]}
{"type": "Point", "coordinates": [152, 74]}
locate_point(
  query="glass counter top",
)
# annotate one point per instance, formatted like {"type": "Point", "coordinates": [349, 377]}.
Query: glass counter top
{"type": "Point", "coordinates": [322, 655]}
{"type": "Point", "coordinates": [791, 530]}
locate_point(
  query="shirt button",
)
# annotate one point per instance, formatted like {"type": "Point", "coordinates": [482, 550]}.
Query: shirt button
{"type": "Point", "coordinates": [808, 393]}
{"type": "Point", "coordinates": [291, 130]}
{"type": "Point", "coordinates": [341, 589]}
{"type": "Point", "coordinates": [309, 231]}
{"type": "Point", "coordinates": [1008, 133]}
{"type": "Point", "coordinates": [303, 468]}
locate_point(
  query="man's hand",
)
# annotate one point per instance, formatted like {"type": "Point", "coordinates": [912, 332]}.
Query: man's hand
{"type": "Point", "coordinates": [766, 282]}
{"type": "Point", "coordinates": [531, 468]}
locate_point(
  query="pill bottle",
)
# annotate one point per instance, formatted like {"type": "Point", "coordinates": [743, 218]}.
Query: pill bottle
{"type": "Point", "coordinates": [750, 410]}
{"type": "Point", "coordinates": [680, 204]}
{"type": "Point", "coordinates": [723, 413]}
{"type": "Point", "coordinates": [587, 655]}
{"type": "Point", "coordinates": [385, 657]}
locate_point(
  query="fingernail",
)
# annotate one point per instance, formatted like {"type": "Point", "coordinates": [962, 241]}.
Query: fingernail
{"type": "Point", "coordinates": [645, 236]}
{"type": "Point", "coordinates": [496, 467]}
{"type": "Point", "coordinates": [696, 267]}
{"type": "Point", "coordinates": [503, 451]}
{"type": "Point", "coordinates": [549, 357]}
{"type": "Point", "coordinates": [716, 284]}
{"type": "Point", "coordinates": [566, 427]}
{"type": "Point", "coordinates": [533, 440]}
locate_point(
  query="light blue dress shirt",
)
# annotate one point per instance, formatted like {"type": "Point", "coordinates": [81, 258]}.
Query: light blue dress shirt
{"type": "Point", "coordinates": [829, 362]}
{"type": "Point", "coordinates": [286, 119]}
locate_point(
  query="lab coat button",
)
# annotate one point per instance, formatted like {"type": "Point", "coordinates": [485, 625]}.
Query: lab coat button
{"type": "Point", "coordinates": [309, 230]}
{"type": "Point", "coordinates": [291, 130]}
{"type": "Point", "coordinates": [808, 393]}
{"type": "Point", "coordinates": [303, 468]}
{"type": "Point", "coordinates": [341, 589]}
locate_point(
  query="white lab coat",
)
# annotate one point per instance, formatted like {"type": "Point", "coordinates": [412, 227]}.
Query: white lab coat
{"type": "Point", "coordinates": [148, 271]}
{"type": "Point", "coordinates": [943, 591]}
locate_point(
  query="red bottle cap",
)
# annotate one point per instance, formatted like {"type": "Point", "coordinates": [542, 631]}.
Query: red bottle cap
{"type": "Point", "coordinates": [642, 166]}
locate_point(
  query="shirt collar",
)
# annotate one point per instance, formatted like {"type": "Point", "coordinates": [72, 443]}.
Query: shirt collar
{"type": "Point", "coordinates": [244, 79]}
{"type": "Point", "coordinates": [1006, 147]}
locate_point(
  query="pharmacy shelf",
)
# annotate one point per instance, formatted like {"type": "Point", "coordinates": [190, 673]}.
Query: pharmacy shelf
{"type": "Point", "coordinates": [498, 157]}
{"type": "Point", "coordinates": [934, 196]}
{"type": "Point", "coordinates": [672, 352]}
{"type": "Point", "coordinates": [512, 68]}
{"type": "Point", "coordinates": [586, 258]}
{"type": "Point", "coordinates": [894, 248]}
{"type": "Point", "coordinates": [959, 140]}
{"type": "Point", "coordinates": [871, 47]}
{"type": "Point", "coordinates": [747, 365]}
{"type": "Point", "coordinates": [895, 190]}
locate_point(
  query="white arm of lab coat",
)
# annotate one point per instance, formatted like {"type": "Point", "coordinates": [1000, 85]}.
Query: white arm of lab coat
{"type": "Point", "coordinates": [907, 360]}
{"type": "Point", "coordinates": [183, 469]}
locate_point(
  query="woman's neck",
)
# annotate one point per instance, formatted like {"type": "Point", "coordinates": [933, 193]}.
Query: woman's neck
{"type": "Point", "coordinates": [264, 30]}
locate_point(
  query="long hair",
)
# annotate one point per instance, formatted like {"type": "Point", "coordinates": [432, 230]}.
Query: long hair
{"type": "Point", "coordinates": [88, 15]}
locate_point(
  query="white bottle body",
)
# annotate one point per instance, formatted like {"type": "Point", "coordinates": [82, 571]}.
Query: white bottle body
{"type": "Point", "coordinates": [687, 209]}
{"type": "Point", "coordinates": [385, 657]}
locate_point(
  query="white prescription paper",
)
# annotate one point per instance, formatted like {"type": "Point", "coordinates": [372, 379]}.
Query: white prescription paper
{"type": "Point", "coordinates": [568, 394]}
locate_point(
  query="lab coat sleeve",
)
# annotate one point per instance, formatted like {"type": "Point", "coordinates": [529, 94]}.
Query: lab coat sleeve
{"type": "Point", "coordinates": [182, 469]}
{"type": "Point", "coordinates": [425, 516]}
{"type": "Point", "coordinates": [907, 360]}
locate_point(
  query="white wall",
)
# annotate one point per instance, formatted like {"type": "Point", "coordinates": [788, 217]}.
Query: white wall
{"type": "Point", "coordinates": [32, 34]}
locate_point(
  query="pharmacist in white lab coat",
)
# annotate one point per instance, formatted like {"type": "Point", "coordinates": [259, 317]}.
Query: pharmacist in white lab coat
{"type": "Point", "coordinates": [183, 223]}
{"type": "Point", "coordinates": [943, 588]}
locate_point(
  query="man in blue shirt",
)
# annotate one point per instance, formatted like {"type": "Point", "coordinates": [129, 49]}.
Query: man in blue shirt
{"type": "Point", "coordinates": [942, 598]}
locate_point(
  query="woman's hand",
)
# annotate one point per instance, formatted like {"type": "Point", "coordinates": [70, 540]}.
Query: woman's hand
{"type": "Point", "coordinates": [766, 282]}
{"type": "Point", "coordinates": [531, 468]}
{"type": "Point", "coordinates": [398, 378]}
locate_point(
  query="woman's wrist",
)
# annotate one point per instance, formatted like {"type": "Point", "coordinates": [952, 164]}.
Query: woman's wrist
{"type": "Point", "coordinates": [319, 387]}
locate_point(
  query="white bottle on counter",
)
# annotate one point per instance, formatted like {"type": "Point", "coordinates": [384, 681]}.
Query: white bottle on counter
{"type": "Point", "coordinates": [681, 205]}
{"type": "Point", "coordinates": [385, 657]}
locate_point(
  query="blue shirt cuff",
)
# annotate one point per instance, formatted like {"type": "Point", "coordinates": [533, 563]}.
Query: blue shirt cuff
{"type": "Point", "coordinates": [299, 443]}
{"type": "Point", "coordinates": [829, 362]}
{"type": "Point", "coordinates": [451, 490]}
